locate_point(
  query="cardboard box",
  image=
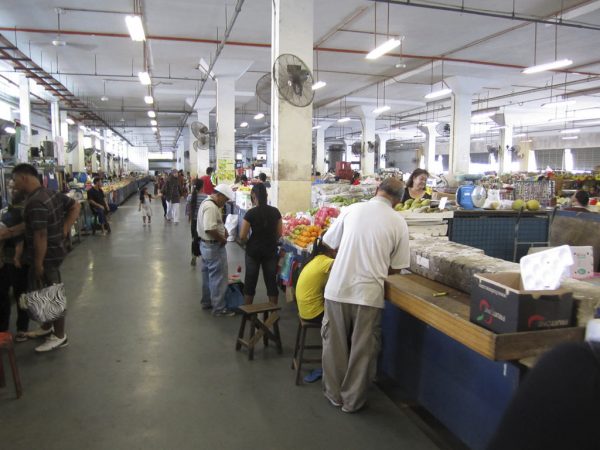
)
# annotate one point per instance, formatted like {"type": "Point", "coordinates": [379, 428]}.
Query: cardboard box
{"type": "Point", "coordinates": [499, 304]}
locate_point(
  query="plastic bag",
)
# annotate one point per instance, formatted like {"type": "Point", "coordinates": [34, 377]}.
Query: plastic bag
{"type": "Point", "coordinates": [231, 223]}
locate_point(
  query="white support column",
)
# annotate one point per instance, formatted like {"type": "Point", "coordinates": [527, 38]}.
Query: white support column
{"type": "Point", "coordinates": [367, 159]}
{"type": "Point", "coordinates": [226, 129]}
{"type": "Point", "coordinates": [506, 142]}
{"type": "Point", "coordinates": [203, 156]}
{"type": "Point", "coordinates": [64, 138]}
{"type": "Point", "coordinates": [254, 150]}
{"type": "Point", "coordinates": [291, 126]}
{"type": "Point", "coordinates": [77, 155]}
{"type": "Point", "coordinates": [429, 146]}
{"type": "Point", "coordinates": [25, 119]}
{"type": "Point", "coordinates": [269, 148]}
{"type": "Point", "coordinates": [320, 158]}
{"type": "Point", "coordinates": [55, 127]}
{"type": "Point", "coordinates": [383, 138]}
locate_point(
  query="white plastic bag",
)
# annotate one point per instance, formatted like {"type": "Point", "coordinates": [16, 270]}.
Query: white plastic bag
{"type": "Point", "coordinates": [231, 223]}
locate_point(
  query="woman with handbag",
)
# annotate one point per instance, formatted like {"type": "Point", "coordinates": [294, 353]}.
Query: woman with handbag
{"type": "Point", "coordinates": [193, 204]}
{"type": "Point", "coordinates": [261, 250]}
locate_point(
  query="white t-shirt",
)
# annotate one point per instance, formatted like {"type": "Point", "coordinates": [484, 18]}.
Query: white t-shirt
{"type": "Point", "coordinates": [209, 218]}
{"type": "Point", "coordinates": [370, 238]}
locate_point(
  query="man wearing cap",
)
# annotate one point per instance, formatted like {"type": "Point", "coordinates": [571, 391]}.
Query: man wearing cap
{"type": "Point", "coordinates": [213, 237]}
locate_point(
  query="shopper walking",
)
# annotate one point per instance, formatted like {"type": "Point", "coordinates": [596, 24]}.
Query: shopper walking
{"type": "Point", "coordinates": [213, 238]}
{"type": "Point", "coordinates": [173, 196]}
{"type": "Point", "coordinates": [48, 216]}
{"type": "Point", "coordinates": [144, 206]}
{"type": "Point", "coordinates": [98, 204]}
{"type": "Point", "coordinates": [193, 204]}
{"type": "Point", "coordinates": [371, 240]}
{"type": "Point", "coordinates": [163, 198]}
{"type": "Point", "coordinates": [13, 271]}
{"type": "Point", "coordinates": [208, 187]}
{"type": "Point", "coordinates": [261, 251]}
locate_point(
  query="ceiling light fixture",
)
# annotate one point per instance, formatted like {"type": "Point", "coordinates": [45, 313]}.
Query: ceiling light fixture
{"type": "Point", "coordinates": [259, 116]}
{"type": "Point", "coordinates": [526, 141]}
{"type": "Point", "coordinates": [477, 139]}
{"type": "Point", "coordinates": [344, 119]}
{"type": "Point", "coordinates": [10, 130]}
{"type": "Point", "coordinates": [381, 109]}
{"type": "Point", "coordinates": [570, 131]}
{"type": "Point", "coordinates": [144, 78]}
{"type": "Point", "coordinates": [244, 124]}
{"type": "Point", "coordinates": [151, 114]}
{"type": "Point", "coordinates": [559, 104]}
{"type": "Point", "coordinates": [318, 85]}
{"type": "Point", "coordinates": [148, 99]}
{"type": "Point", "coordinates": [154, 129]}
{"type": "Point", "coordinates": [439, 93]}
{"type": "Point", "coordinates": [82, 128]}
{"type": "Point", "coordinates": [70, 121]}
{"type": "Point", "coordinates": [136, 28]}
{"type": "Point", "coordinates": [384, 48]}
{"type": "Point", "coordinates": [153, 122]}
{"type": "Point", "coordinates": [519, 135]}
{"type": "Point", "coordinates": [554, 65]}
{"type": "Point", "coordinates": [316, 127]}
{"type": "Point", "coordinates": [568, 138]}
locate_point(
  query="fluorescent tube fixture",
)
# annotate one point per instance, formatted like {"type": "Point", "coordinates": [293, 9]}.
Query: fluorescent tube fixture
{"type": "Point", "coordinates": [244, 124]}
{"type": "Point", "coordinates": [568, 138]}
{"type": "Point", "coordinates": [438, 94]}
{"type": "Point", "coordinates": [153, 122]}
{"type": "Point", "coordinates": [70, 121]}
{"type": "Point", "coordinates": [136, 28]}
{"type": "Point", "coordinates": [151, 114]}
{"type": "Point", "coordinates": [148, 99]}
{"type": "Point", "coordinates": [259, 116]}
{"type": "Point", "coordinates": [154, 129]}
{"type": "Point", "coordinates": [144, 78]}
{"type": "Point", "coordinates": [559, 64]}
{"type": "Point", "coordinates": [381, 109]}
{"type": "Point", "coordinates": [316, 127]}
{"type": "Point", "coordinates": [558, 103]}
{"type": "Point", "coordinates": [526, 141]}
{"type": "Point", "coordinates": [344, 119]}
{"type": "Point", "coordinates": [318, 85]}
{"type": "Point", "coordinates": [477, 139]}
{"type": "Point", "coordinates": [384, 48]}
{"type": "Point", "coordinates": [570, 131]}
{"type": "Point", "coordinates": [519, 135]}
{"type": "Point", "coordinates": [82, 128]}
{"type": "Point", "coordinates": [10, 130]}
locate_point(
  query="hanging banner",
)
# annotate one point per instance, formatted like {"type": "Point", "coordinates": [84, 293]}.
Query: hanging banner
{"type": "Point", "coordinates": [226, 170]}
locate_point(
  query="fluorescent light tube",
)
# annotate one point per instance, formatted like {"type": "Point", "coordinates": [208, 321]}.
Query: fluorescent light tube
{"type": "Point", "coordinates": [70, 121]}
{"type": "Point", "coordinates": [344, 119]}
{"type": "Point", "coordinates": [559, 64]}
{"type": "Point", "coordinates": [568, 138]}
{"type": "Point", "coordinates": [144, 78]}
{"type": "Point", "coordinates": [558, 103]}
{"type": "Point", "coordinates": [519, 135]}
{"type": "Point", "coordinates": [384, 48]}
{"type": "Point", "coordinates": [438, 94]}
{"type": "Point", "coordinates": [477, 139]}
{"type": "Point", "coordinates": [570, 131]}
{"type": "Point", "coordinates": [259, 116]}
{"type": "Point", "coordinates": [151, 114]}
{"type": "Point", "coordinates": [381, 109]}
{"type": "Point", "coordinates": [154, 129]}
{"type": "Point", "coordinates": [153, 122]}
{"type": "Point", "coordinates": [148, 99]}
{"type": "Point", "coordinates": [244, 124]}
{"type": "Point", "coordinates": [82, 128]}
{"type": "Point", "coordinates": [10, 130]}
{"type": "Point", "coordinates": [318, 85]}
{"type": "Point", "coordinates": [136, 28]}
{"type": "Point", "coordinates": [316, 127]}
{"type": "Point", "coordinates": [526, 141]}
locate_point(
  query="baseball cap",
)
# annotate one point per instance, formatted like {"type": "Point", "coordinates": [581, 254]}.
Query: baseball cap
{"type": "Point", "coordinates": [224, 189]}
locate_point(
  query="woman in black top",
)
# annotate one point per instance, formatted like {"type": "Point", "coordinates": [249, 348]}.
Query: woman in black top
{"type": "Point", "coordinates": [193, 217]}
{"type": "Point", "coordinates": [415, 186]}
{"type": "Point", "coordinates": [261, 249]}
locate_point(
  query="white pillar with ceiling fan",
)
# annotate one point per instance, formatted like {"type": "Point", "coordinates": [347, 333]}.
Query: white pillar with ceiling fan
{"type": "Point", "coordinates": [292, 33]}
{"type": "Point", "coordinates": [225, 144]}
{"type": "Point", "coordinates": [367, 156]}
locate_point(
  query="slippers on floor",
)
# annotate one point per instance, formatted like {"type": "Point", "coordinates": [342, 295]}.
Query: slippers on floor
{"type": "Point", "coordinates": [313, 376]}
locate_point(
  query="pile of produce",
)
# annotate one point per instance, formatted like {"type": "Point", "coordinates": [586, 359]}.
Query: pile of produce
{"type": "Point", "coordinates": [302, 230]}
{"type": "Point", "coordinates": [420, 206]}
{"type": "Point", "coordinates": [290, 223]}
{"type": "Point", "coordinates": [344, 201]}
{"type": "Point", "coordinates": [531, 205]}
{"type": "Point", "coordinates": [304, 235]}
{"type": "Point", "coordinates": [324, 215]}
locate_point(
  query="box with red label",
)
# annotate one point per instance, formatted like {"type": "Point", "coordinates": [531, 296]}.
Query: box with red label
{"type": "Point", "coordinates": [499, 303]}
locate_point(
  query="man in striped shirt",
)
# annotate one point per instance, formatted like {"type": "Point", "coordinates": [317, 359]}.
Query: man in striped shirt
{"type": "Point", "coordinates": [48, 216]}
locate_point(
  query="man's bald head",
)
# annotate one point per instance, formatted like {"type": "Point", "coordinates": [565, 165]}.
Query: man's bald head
{"type": "Point", "coordinates": [391, 188]}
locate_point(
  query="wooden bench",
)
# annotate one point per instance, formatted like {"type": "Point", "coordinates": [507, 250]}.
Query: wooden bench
{"type": "Point", "coordinates": [298, 358]}
{"type": "Point", "coordinates": [7, 344]}
{"type": "Point", "coordinates": [267, 328]}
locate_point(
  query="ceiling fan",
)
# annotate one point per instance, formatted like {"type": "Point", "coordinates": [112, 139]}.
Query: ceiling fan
{"type": "Point", "coordinates": [58, 40]}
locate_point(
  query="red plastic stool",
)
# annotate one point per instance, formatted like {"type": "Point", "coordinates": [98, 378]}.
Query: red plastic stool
{"type": "Point", "coordinates": [7, 344]}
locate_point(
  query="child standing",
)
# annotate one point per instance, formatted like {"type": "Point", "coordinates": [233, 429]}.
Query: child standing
{"type": "Point", "coordinates": [144, 207]}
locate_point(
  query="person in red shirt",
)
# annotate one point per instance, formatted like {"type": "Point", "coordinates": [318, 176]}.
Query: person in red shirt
{"type": "Point", "coordinates": [208, 187]}
{"type": "Point", "coordinates": [355, 179]}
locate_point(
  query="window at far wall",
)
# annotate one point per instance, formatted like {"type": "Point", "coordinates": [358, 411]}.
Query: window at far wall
{"type": "Point", "coordinates": [552, 158]}
{"type": "Point", "coordinates": [585, 159]}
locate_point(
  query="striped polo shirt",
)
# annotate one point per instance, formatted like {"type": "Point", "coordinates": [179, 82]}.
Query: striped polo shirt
{"type": "Point", "coordinates": [46, 209]}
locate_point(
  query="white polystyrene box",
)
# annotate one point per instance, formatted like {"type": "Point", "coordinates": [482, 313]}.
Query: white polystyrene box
{"type": "Point", "coordinates": [545, 270]}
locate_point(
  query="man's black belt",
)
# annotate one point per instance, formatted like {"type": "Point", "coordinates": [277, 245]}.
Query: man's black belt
{"type": "Point", "coordinates": [209, 242]}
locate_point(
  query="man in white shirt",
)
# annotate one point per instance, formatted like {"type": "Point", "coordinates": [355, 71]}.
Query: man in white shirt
{"type": "Point", "coordinates": [371, 240]}
{"type": "Point", "coordinates": [213, 237]}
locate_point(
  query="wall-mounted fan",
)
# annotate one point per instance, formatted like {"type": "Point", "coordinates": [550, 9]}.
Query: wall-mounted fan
{"type": "Point", "coordinates": [372, 147]}
{"type": "Point", "coordinates": [293, 79]}
{"type": "Point", "coordinates": [263, 88]}
{"type": "Point", "coordinates": [200, 132]}
{"type": "Point", "coordinates": [357, 148]}
{"type": "Point", "coordinates": [443, 129]}
{"type": "Point", "coordinates": [58, 40]}
{"type": "Point", "coordinates": [70, 146]}
{"type": "Point", "coordinates": [89, 151]}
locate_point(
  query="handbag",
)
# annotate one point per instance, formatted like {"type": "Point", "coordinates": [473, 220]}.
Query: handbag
{"type": "Point", "coordinates": [196, 246]}
{"type": "Point", "coordinates": [46, 304]}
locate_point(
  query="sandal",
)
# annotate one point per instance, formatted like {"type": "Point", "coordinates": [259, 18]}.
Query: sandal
{"type": "Point", "coordinates": [21, 336]}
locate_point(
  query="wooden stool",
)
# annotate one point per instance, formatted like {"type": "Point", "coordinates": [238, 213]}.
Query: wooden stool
{"type": "Point", "coordinates": [259, 328]}
{"type": "Point", "coordinates": [299, 359]}
{"type": "Point", "coordinates": [6, 343]}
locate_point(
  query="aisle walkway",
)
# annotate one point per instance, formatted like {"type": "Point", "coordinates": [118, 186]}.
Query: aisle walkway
{"type": "Point", "coordinates": [148, 369]}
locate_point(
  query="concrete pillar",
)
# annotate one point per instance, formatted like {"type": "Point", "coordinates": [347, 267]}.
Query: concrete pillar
{"type": "Point", "coordinates": [25, 119]}
{"type": "Point", "coordinates": [383, 138]}
{"type": "Point", "coordinates": [64, 134]}
{"type": "Point", "coordinates": [367, 159]}
{"type": "Point", "coordinates": [203, 156]}
{"type": "Point", "coordinates": [77, 155]}
{"type": "Point", "coordinates": [254, 150]}
{"type": "Point", "coordinates": [429, 145]}
{"type": "Point", "coordinates": [56, 137]}
{"type": "Point", "coordinates": [269, 149]}
{"type": "Point", "coordinates": [292, 32]}
{"type": "Point", "coordinates": [226, 129]}
{"type": "Point", "coordinates": [506, 142]}
{"type": "Point", "coordinates": [320, 165]}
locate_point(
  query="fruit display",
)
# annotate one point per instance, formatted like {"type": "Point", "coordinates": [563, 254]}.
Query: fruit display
{"type": "Point", "coordinates": [302, 230]}
{"type": "Point", "coordinates": [304, 235]}
{"type": "Point", "coordinates": [324, 215]}
{"type": "Point", "coordinates": [530, 205]}
{"type": "Point", "coordinates": [421, 206]}
{"type": "Point", "coordinates": [290, 223]}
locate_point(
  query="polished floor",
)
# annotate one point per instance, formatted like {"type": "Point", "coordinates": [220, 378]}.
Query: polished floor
{"type": "Point", "coordinates": [146, 368]}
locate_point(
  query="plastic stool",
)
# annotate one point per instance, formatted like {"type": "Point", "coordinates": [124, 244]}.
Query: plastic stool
{"type": "Point", "coordinates": [259, 328]}
{"type": "Point", "coordinates": [7, 344]}
{"type": "Point", "coordinates": [299, 359]}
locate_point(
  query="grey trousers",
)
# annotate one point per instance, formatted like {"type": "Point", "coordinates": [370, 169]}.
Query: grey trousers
{"type": "Point", "coordinates": [351, 342]}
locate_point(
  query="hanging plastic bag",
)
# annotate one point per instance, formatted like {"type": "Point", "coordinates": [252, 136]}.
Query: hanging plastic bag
{"type": "Point", "coordinates": [231, 223]}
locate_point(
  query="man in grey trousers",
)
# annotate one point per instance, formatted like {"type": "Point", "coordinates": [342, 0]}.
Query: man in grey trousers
{"type": "Point", "coordinates": [371, 240]}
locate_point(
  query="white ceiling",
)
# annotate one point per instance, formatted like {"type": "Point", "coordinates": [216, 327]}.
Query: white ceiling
{"type": "Point", "coordinates": [472, 46]}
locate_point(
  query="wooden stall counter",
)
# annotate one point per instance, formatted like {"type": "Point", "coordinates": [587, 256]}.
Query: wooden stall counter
{"type": "Point", "coordinates": [449, 314]}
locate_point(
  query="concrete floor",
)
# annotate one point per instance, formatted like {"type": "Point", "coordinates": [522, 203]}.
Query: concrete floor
{"type": "Point", "coordinates": [146, 368]}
